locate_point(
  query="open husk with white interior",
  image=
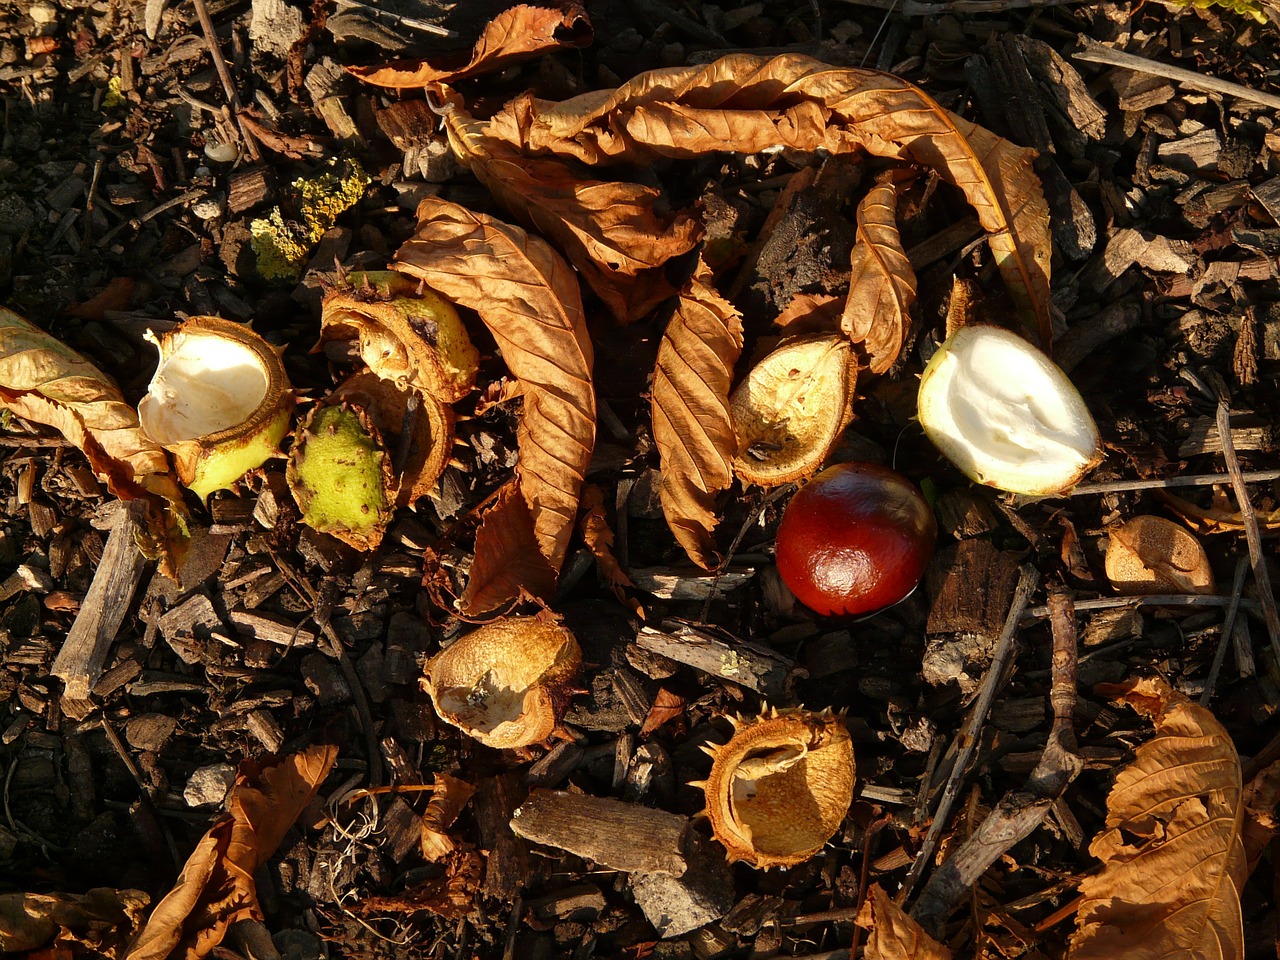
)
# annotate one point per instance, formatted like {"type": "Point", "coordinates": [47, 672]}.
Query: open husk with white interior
{"type": "Point", "coordinates": [508, 683]}
{"type": "Point", "coordinates": [780, 788]}
{"type": "Point", "coordinates": [219, 402]}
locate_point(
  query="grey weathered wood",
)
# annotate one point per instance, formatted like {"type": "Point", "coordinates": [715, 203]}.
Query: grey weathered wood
{"type": "Point", "coordinates": [622, 836]}
{"type": "Point", "coordinates": [84, 653]}
{"type": "Point", "coordinates": [754, 667]}
{"type": "Point", "coordinates": [507, 867]}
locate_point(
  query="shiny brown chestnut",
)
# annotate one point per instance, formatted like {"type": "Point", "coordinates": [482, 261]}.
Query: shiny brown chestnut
{"type": "Point", "coordinates": [857, 538]}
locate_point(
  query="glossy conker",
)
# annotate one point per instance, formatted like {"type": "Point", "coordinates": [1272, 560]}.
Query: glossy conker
{"type": "Point", "coordinates": [857, 538]}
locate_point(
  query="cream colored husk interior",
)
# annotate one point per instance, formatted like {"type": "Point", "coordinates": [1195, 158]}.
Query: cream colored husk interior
{"type": "Point", "coordinates": [207, 384]}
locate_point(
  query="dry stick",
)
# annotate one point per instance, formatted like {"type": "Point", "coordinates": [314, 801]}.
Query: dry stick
{"type": "Point", "coordinates": [1228, 626]}
{"type": "Point", "coordinates": [1018, 812]}
{"type": "Point", "coordinates": [1150, 600]}
{"type": "Point", "coordinates": [228, 86]}
{"type": "Point", "coordinates": [1193, 480]}
{"type": "Point", "coordinates": [968, 737]}
{"type": "Point", "coordinates": [1095, 52]}
{"type": "Point", "coordinates": [1251, 533]}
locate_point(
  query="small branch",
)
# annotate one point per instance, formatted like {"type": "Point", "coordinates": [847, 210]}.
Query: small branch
{"type": "Point", "coordinates": [1193, 480]}
{"type": "Point", "coordinates": [968, 738]}
{"type": "Point", "coordinates": [1150, 600]}
{"type": "Point", "coordinates": [228, 85]}
{"type": "Point", "coordinates": [1095, 52]}
{"type": "Point", "coordinates": [1228, 627]}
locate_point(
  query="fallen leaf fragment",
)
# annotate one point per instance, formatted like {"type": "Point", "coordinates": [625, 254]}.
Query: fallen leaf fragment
{"type": "Point", "coordinates": [1173, 857]}
{"type": "Point", "coordinates": [667, 706]}
{"type": "Point", "coordinates": [882, 285]}
{"type": "Point", "coordinates": [599, 540]}
{"type": "Point", "coordinates": [894, 935]}
{"type": "Point", "coordinates": [1153, 555]}
{"type": "Point", "coordinates": [745, 104]}
{"type": "Point", "coordinates": [447, 800]}
{"type": "Point", "coordinates": [528, 297]}
{"type": "Point", "coordinates": [515, 34]}
{"type": "Point", "coordinates": [692, 425]}
{"type": "Point", "coordinates": [114, 296]}
{"type": "Point", "coordinates": [791, 408]}
{"type": "Point", "coordinates": [810, 313]}
{"type": "Point", "coordinates": [451, 894]}
{"type": "Point", "coordinates": [216, 887]}
{"type": "Point", "coordinates": [1222, 516]}
{"type": "Point", "coordinates": [508, 564]}
{"type": "Point", "coordinates": [98, 923]}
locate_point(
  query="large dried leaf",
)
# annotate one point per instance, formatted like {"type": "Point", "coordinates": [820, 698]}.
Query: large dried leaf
{"type": "Point", "coordinates": [746, 104]}
{"type": "Point", "coordinates": [692, 426]}
{"type": "Point", "coordinates": [609, 230]}
{"type": "Point", "coordinates": [99, 923]}
{"type": "Point", "coordinates": [1173, 856]}
{"type": "Point", "coordinates": [216, 887]}
{"type": "Point", "coordinates": [894, 935]}
{"type": "Point", "coordinates": [514, 34]}
{"type": "Point", "coordinates": [508, 564]}
{"type": "Point", "coordinates": [528, 297]}
{"type": "Point", "coordinates": [882, 285]}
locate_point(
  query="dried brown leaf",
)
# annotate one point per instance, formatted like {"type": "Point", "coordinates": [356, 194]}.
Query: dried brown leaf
{"type": "Point", "coordinates": [609, 230]}
{"type": "Point", "coordinates": [810, 313]}
{"type": "Point", "coordinates": [599, 540]}
{"type": "Point", "coordinates": [452, 895]}
{"type": "Point", "coordinates": [667, 706]}
{"type": "Point", "coordinates": [1173, 858]}
{"type": "Point", "coordinates": [1219, 517]}
{"type": "Point", "coordinates": [508, 563]}
{"type": "Point", "coordinates": [447, 800]}
{"type": "Point", "coordinates": [1153, 555]}
{"type": "Point", "coordinates": [882, 285]}
{"type": "Point", "coordinates": [515, 34]}
{"type": "Point", "coordinates": [216, 887]}
{"type": "Point", "coordinates": [99, 923]}
{"type": "Point", "coordinates": [692, 426]}
{"type": "Point", "coordinates": [529, 299]}
{"type": "Point", "coordinates": [894, 935]}
{"type": "Point", "coordinates": [746, 104]}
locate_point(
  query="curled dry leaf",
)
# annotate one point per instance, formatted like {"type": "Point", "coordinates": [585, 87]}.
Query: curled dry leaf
{"type": "Point", "coordinates": [1173, 857]}
{"type": "Point", "coordinates": [451, 895]}
{"type": "Point", "coordinates": [447, 800]}
{"type": "Point", "coordinates": [99, 923]}
{"type": "Point", "coordinates": [508, 564]}
{"type": "Point", "coordinates": [216, 887]}
{"type": "Point", "coordinates": [610, 230]}
{"type": "Point", "coordinates": [515, 34]}
{"type": "Point", "coordinates": [692, 425]}
{"type": "Point", "coordinates": [746, 104]}
{"type": "Point", "coordinates": [1222, 516]}
{"type": "Point", "coordinates": [882, 285]}
{"type": "Point", "coordinates": [507, 683]}
{"type": "Point", "coordinates": [791, 408]}
{"type": "Point", "coordinates": [894, 935]}
{"type": "Point", "coordinates": [45, 381]}
{"type": "Point", "coordinates": [1154, 555]}
{"type": "Point", "coordinates": [667, 706]}
{"type": "Point", "coordinates": [780, 788]}
{"type": "Point", "coordinates": [599, 540]}
{"type": "Point", "coordinates": [529, 299]}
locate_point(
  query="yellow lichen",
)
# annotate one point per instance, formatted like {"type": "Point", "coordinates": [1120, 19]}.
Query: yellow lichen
{"type": "Point", "coordinates": [281, 244]}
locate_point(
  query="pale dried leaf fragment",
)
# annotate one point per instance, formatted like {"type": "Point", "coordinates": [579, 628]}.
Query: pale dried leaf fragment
{"type": "Point", "coordinates": [216, 887]}
{"type": "Point", "coordinates": [98, 923]}
{"type": "Point", "coordinates": [745, 104]}
{"type": "Point", "coordinates": [894, 935]}
{"type": "Point", "coordinates": [599, 540]}
{"type": "Point", "coordinates": [447, 800]}
{"type": "Point", "coordinates": [1150, 554]}
{"type": "Point", "coordinates": [508, 564]}
{"type": "Point", "coordinates": [1173, 858]}
{"type": "Point", "coordinates": [514, 34]}
{"type": "Point", "coordinates": [692, 425]}
{"type": "Point", "coordinates": [882, 285]}
{"type": "Point", "coordinates": [529, 299]}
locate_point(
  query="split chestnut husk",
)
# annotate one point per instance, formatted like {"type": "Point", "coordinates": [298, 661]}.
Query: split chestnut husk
{"type": "Point", "coordinates": [508, 683]}
{"type": "Point", "coordinates": [780, 788]}
{"type": "Point", "coordinates": [219, 402]}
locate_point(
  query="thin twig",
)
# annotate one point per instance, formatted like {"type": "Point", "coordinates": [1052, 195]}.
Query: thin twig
{"type": "Point", "coordinates": [1150, 600]}
{"type": "Point", "coordinates": [1192, 480]}
{"type": "Point", "coordinates": [1228, 627]}
{"type": "Point", "coordinates": [1095, 52]}
{"type": "Point", "coordinates": [188, 197]}
{"type": "Point", "coordinates": [228, 85]}
{"type": "Point", "coordinates": [968, 738]}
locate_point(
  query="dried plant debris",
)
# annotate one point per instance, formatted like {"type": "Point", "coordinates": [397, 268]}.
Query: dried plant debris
{"type": "Point", "coordinates": [780, 788]}
{"type": "Point", "coordinates": [508, 683]}
{"type": "Point", "coordinates": [1153, 555]}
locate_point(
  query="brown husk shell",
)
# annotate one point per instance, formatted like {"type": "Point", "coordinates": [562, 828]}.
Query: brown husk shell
{"type": "Point", "coordinates": [508, 683]}
{"type": "Point", "coordinates": [791, 408]}
{"type": "Point", "coordinates": [780, 787]}
{"type": "Point", "coordinates": [1153, 555]}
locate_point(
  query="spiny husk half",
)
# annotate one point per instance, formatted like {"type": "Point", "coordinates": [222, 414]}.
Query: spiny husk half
{"type": "Point", "coordinates": [508, 683]}
{"type": "Point", "coordinates": [791, 408]}
{"type": "Point", "coordinates": [430, 441]}
{"type": "Point", "coordinates": [780, 787]}
{"type": "Point", "coordinates": [1005, 414]}
{"type": "Point", "coordinates": [340, 475]}
{"type": "Point", "coordinates": [219, 402]}
{"type": "Point", "coordinates": [405, 334]}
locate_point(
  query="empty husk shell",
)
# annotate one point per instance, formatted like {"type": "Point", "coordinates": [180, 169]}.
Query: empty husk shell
{"type": "Point", "coordinates": [219, 402]}
{"type": "Point", "coordinates": [780, 787]}
{"type": "Point", "coordinates": [508, 683]}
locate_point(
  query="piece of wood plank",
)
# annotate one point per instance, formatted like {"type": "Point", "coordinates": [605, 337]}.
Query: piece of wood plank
{"type": "Point", "coordinates": [751, 665]}
{"type": "Point", "coordinates": [83, 655]}
{"type": "Point", "coordinates": [618, 835]}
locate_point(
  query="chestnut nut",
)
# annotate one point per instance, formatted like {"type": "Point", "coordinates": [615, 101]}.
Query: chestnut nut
{"type": "Point", "coordinates": [857, 538]}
